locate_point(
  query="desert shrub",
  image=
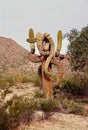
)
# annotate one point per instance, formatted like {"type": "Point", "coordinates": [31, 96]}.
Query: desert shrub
{"type": "Point", "coordinates": [16, 75]}
{"type": "Point", "coordinates": [72, 87]}
{"type": "Point", "coordinates": [77, 84]}
{"type": "Point", "coordinates": [33, 79]}
{"type": "Point", "coordinates": [20, 110]}
{"type": "Point", "coordinates": [71, 106]}
{"type": "Point", "coordinates": [26, 79]}
{"type": "Point", "coordinates": [10, 81]}
{"type": "Point", "coordinates": [20, 105]}
{"type": "Point", "coordinates": [4, 124]}
{"type": "Point", "coordinates": [82, 79]}
{"type": "Point", "coordinates": [39, 94]}
{"type": "Point", "coordinates": [37, 81]}
{"type": "Point", "coordinates": [48, 105]}
{"type": "Point", "coordinates": [5, 82]}
{"type": "Point", "coordinates": [62, 105]}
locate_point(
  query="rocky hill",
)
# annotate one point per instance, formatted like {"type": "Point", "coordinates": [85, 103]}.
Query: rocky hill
{"type": "Point", "coordinates": [11, 53]}
{"type": "Point", "coordinates": [13, 56]}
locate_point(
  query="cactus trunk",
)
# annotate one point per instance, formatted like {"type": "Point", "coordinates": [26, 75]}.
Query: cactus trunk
{"type": "Point", "coordinates": [47, 81]}
{"type": "Point", "coordinates": [60, 74]}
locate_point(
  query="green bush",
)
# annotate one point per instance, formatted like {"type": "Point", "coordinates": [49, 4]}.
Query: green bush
{"type": "Point", "coordinates": [20, 110]}
{"type": "Point", "coordinates": [20, 105]}
{"type": "Point", "coordinates": [77, 48]}
{"type": "Point", "coordinates": [48, 105]}
{"type": "Point", "coordinates": [73, 87]}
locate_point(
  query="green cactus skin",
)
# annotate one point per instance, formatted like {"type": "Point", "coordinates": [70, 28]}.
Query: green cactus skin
{"type": "Point", "coordinates": [31, 40]}
{"type": "Point", "coordinates": [50, 56]}
{"type": "Point", "coordinates": [59, 41]}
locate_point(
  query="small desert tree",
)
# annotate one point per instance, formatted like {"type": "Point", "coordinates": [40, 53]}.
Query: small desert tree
{"type": "Point", "coordinates": [78, 48]}
{"type": "Point", "coordinates": [78, 52]}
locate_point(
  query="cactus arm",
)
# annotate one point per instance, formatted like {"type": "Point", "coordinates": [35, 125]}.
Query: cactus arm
{"type": "Point", "coordinates": [50, 56]}
{"type": "Point", "coordinates": [34, 58]}
{"type": "Point", "coordinates": [39, 37]}
{"type": "Point", "coordinates": [31, 40]}
{"type": "Point", "coordinates": [59, 42]}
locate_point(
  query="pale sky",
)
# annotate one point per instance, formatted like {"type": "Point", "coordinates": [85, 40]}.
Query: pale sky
{"type": "Point", "coordinates": [17, 16]}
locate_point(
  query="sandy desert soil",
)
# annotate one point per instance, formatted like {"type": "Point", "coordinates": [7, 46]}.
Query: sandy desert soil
{"type": "Point", "coordinates": [58, 121]}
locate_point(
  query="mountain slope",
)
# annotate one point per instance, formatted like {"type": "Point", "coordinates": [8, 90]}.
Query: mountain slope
{"type": "Point", "coordinates": [11, 53]}
{"type": "Point", "coordinates": [14, 56]}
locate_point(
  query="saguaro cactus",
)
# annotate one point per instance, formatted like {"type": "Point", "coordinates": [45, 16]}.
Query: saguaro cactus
{"type": "Point", "coordinates": [45, 45]}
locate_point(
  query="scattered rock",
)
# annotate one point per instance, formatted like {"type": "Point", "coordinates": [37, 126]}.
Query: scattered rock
{"type": "Point", "coordinates": [39, 115]}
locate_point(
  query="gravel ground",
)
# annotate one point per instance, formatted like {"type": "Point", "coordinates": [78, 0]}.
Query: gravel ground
{"type": "Point", "coordinates": [60, 121]}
